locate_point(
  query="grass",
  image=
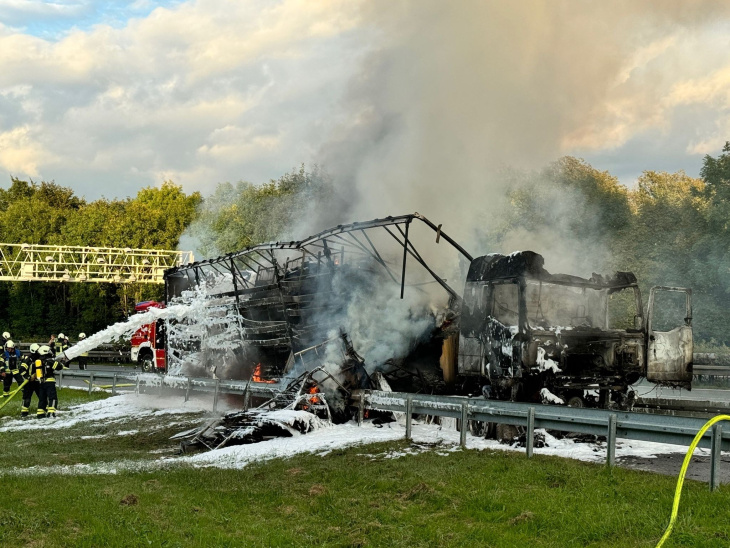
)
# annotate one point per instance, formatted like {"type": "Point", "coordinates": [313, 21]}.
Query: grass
{"type": "Point", "coordinates": [67, 397]}
{"type": "Point", "coordinates": [352, 497]}
{"type": "Point", "coordinates": [88, 442]}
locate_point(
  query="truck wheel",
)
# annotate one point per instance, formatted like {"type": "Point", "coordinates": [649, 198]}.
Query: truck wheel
{"type": "Point", "coordinates": [576, 401]}
{"type": "Point", "coordinates": [478, 428]}
{"type": "Point", "coordinates": [508, 433]}
{"type": "Point", "coordinates": [146, 363]}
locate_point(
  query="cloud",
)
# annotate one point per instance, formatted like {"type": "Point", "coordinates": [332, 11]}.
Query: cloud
{"type": "Point", "coordinates": [221, 90]}
{"type": "Point", "coordinates": [408, 98]}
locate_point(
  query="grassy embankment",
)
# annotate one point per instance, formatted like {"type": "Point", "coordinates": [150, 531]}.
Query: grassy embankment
{"type": "Point", "coordinates": [354, 497]}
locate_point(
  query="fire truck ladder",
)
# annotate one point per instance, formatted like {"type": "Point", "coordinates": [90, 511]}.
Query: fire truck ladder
{"type": "Point", "coordinates": [65, 263]}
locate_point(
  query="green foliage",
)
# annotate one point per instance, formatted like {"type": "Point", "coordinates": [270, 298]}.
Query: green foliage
{"type": "Point", "coordinates": [46, 213]}
{"type": "Point", "coordinates": [241, 215]}
{"type": "Point", "coordinates": [671, 229]}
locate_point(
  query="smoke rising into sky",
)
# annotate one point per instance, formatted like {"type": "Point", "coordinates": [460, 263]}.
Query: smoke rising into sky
{"type": "Point", "coordinates": [417, 104]}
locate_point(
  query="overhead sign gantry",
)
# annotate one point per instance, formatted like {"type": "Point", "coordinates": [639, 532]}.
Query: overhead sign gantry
{"type": "Point", "coordinates": [65, 263]}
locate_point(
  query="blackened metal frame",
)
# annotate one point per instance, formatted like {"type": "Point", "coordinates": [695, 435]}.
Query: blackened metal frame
{"type": "Point", "coordinates": [321, 247]}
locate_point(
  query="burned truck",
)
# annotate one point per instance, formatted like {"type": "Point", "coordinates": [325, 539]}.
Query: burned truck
{"type": "Point", "coordinates": [516, 332]}
{"type": "Point", "coordinates": [528, 335]}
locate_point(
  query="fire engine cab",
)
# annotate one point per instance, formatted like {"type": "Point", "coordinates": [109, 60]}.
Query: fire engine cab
{"type": "Point", "coordinates": [148, 342]}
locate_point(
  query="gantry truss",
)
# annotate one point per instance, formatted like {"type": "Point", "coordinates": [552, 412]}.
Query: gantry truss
{"type": "Point", "coordinates": [66, 263]}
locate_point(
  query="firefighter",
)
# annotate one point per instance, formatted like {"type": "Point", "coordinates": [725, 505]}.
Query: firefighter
{"type": "Point", "coordinates": [6, 338]}
{"type": "Point", "coordinates": [84, 356]}
{"type": "Point", "coordinates": [62, 344]}
{"type": "Point", "coordinates": [48, 400]}
{"type": "Point", "coordinates": [31, 370]}
{"type": "Point", "coordinates": [11, 369]}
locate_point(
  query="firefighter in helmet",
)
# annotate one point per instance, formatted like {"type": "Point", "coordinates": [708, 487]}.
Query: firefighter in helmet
{"type": "Point", "coordinates": [51, 364]}
{"type": "Point", "coordinates": [84, 356]}
{"type": "Point", "coordinates": [62, 344]}
{"type": "Point", "coordinates": [31, 369]}
{"type": "Point", "coordinates": [11, 367]}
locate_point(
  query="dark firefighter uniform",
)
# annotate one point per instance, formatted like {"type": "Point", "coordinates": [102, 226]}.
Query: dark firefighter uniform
{"type": "Point", "coordinates": [48, 396]}
{"type": "Point", "coordinates": [84, 356]}
{"type": "Point", "coordinates": [61, 346]}
{"type": "Point", "coordinates": [11, 369]}
{"type": "Point", "coordinates": [31, 369]}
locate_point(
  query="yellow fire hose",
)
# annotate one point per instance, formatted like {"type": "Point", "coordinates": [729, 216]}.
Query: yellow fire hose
{"type": "Point", "coordinates": [13, 394]}
{"type": "Point", "coordinates": [683, 471]}
{"type": "Point", "coordinates": [109, 385]}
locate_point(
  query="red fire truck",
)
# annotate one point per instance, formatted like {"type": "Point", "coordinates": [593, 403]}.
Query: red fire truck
{"type": "Point", "coordinates": [148, 342]}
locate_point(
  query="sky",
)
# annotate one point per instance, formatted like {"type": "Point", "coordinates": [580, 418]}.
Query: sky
{"type": "Point", "coordinates": [109, 97]}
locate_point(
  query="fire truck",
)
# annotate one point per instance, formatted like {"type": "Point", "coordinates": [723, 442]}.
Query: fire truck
{"type": "Point", "coordinates": [148, 342]}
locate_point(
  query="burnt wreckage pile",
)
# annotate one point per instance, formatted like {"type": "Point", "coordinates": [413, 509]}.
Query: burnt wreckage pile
{"type": "Point", "coordinates": [279, 311]}
{"type": "Point", "coordinates": [277, 314]}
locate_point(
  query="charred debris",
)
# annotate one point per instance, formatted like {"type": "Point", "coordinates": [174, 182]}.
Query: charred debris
{"type": "Point", "coordinates": [280, 315]}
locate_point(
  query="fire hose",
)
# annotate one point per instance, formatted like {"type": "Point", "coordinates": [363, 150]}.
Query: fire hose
{"type": "Point", "coordinates": [683, 471]}
{"type": "Point", "coordinates": [3, 404]}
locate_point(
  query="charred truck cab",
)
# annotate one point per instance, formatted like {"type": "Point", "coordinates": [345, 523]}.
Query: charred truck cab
{"type": "Point", "coordinates": [529, 335]}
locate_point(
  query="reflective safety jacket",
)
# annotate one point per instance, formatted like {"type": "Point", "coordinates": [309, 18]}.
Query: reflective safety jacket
{"type": "Point", "coordinates": [31, 368]}
{"type": "Point", "coordinates": [50, 366]}
{"type": "Point", "coordinates": [61, 347]}
{"type": "Point", "coordinates": [11, 358]}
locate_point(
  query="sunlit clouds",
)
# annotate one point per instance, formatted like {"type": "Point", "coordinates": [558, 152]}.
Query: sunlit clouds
{"type": "Point", "coordinates": [109, 100]}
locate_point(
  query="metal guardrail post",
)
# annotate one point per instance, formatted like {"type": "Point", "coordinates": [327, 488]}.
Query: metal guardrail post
{"type": "Point", "coordinates": [187, 389]}
{"type": "Point", "coordinates": [409, 417]}
{"type": "Point", "coordinates": [91, 382]}
{"type": "Point", "coordinates": [114, 385]}
{"type": "Point", "coordinates": [360, 409]}
{"type": "Point", "coordinates": [215, 395]}
{"type": "Point", "coordinates": [136, 388]}
{"type": "Point", "coordinates": [464, 423]}
{"type": "Point", "coordinates": [715, 457]}
{"type": "Point", "coordinates": [611, 441]}
{"type": "Point", "coordinates": [530, 434]}
{"type": "Point", "coordinates": [60, 379]}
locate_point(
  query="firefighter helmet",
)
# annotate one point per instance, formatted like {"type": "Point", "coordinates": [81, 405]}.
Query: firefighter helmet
{"type": "Point", "coordinates": [34, 347]}
{"type": "Point", "coordinates": [82, 336]}
{"type": "Point", "coordinates": [44, 350]}
{"type": "Point", "coordinates": [61, 336]}
{"type": "Point", "coordinates": [6, 335]}
{"type": "Point", "coordinates": [10, 344]}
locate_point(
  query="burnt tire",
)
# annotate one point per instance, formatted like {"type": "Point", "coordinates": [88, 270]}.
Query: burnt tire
{"type": "Point", "coordinates": [576, 401]}
{"type": "Point", "coordinates": [508, 433]}
{"type": "Point", "coordinates": [481, 429]}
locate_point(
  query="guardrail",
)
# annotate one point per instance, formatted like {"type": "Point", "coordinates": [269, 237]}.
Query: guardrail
{"type": "Point", "coordinates": [186, 384]}
{"type": "Point", "coordinates": [104, 352]}
{"type": "Point", "coordinates": [602, 422]}
{"type": "Point", "coordinates": [613, 424]}
{"type": "Point", "coordinates": [711, 370]}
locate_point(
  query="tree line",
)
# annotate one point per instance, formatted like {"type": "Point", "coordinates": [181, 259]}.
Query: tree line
{"type": "Point", "coordinates": [669, 228]}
